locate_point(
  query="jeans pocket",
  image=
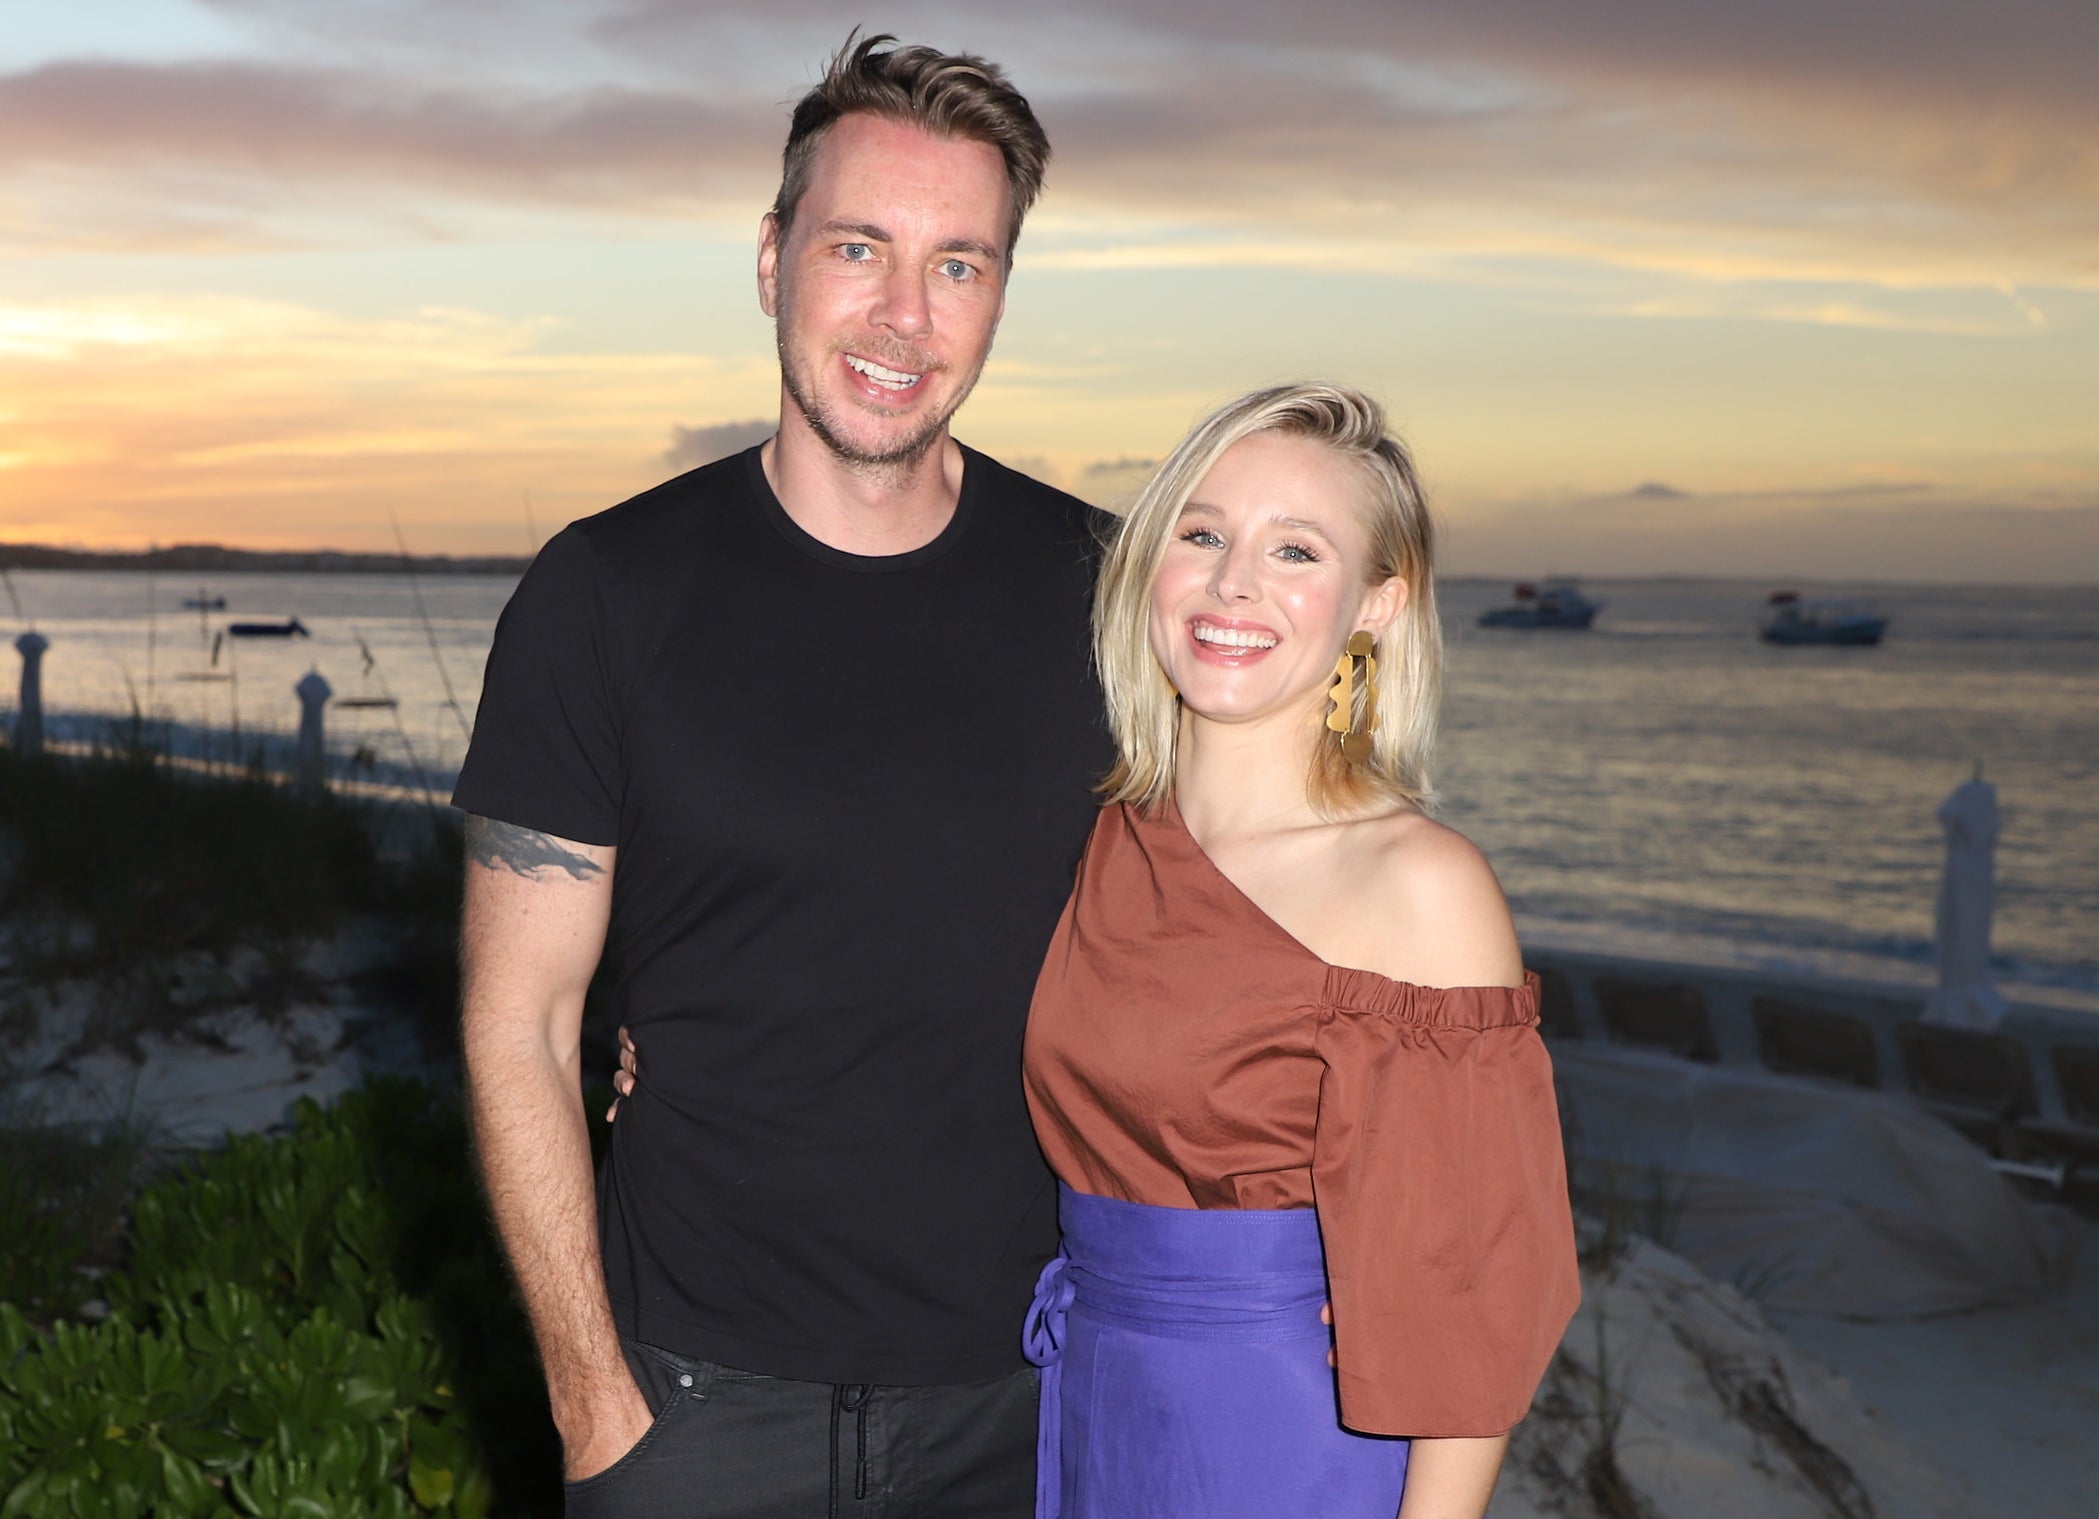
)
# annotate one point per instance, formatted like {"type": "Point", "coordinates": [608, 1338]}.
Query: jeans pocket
{"type": "Point", "coordinates": [670, 1384]}
{"type": "Point", "coordinates": [636, 1453]}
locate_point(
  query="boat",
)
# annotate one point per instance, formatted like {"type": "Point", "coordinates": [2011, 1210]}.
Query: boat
{"type": "Point", "coordinates": [1558, 603]}
{"type": "Point", "coordinates": [291, 627]}
{"type": "Point", "coordinates": [203, 602]}
{"type": "Point", "coordinates": [1790, 620]}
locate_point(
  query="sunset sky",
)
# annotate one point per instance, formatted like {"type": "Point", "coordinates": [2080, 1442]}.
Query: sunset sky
{"type": "Point", "coordinates": [1792, 287]}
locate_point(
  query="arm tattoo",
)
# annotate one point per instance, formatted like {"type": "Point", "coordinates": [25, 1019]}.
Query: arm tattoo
{"type": "Point", "coordinates": [522, 851]}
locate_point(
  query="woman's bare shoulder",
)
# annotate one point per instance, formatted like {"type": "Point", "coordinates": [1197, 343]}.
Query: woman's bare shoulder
{"type": "Point", "coordinates": [1432, 911]}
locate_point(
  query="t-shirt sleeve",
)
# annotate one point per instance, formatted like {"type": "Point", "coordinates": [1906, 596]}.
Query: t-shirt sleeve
{"type": "Point", "coordinates": [1441, 1185]}
{"type": "Point", "coordinates": [545, 750]}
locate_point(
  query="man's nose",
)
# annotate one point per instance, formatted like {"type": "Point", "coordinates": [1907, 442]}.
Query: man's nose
{"type": "Point", "coordinates": [903, 307]}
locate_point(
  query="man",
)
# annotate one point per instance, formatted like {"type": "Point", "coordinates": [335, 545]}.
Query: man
{"type": "Point", "coordinates": [805, 738]}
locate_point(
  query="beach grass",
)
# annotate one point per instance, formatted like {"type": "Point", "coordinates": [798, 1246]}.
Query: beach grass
{"type": "Point", "coordinates": [174, 895]}
{"type": "Point", "coordinates": [119, 865]}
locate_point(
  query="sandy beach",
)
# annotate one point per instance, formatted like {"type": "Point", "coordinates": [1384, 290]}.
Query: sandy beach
{"type": "Point", "coordinates": [2005, 1400]}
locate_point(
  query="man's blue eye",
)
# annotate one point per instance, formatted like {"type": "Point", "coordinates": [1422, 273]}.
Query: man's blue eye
{"type": "Point", "coordinates": [857, 251]}
{"type": "Point", "coordinates": [955, 269]}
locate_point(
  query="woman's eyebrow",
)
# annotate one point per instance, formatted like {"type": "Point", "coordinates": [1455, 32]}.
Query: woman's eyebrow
{"type": "Point", "coordinates": [1303, 525]}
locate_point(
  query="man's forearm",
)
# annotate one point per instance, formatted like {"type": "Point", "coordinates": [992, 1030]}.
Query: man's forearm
{"type": "Point", "coordinates": [534, 1147]}
{"type": "Point", "coordinates": [531, 931]}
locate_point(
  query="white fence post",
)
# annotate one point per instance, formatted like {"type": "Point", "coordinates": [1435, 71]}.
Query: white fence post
{"type": "Point", "coordinates": [313, 693]}
{"type": "Point", "coordinates": [29, 719]}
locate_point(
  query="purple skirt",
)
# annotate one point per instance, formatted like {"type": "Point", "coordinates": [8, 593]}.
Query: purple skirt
{"type": "Point", "coordinates": [1184, 1372]}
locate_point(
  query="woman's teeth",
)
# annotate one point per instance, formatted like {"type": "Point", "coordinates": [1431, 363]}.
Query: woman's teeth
{"type": "Point", "coordinates": [1234, 638]}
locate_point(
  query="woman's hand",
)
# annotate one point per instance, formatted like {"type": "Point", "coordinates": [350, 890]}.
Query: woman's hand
{"type": "Point", "coordinates": [623, 1078]}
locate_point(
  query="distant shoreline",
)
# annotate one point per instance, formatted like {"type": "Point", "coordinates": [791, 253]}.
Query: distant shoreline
{"type": "Point", "coordinates": [214, 559]}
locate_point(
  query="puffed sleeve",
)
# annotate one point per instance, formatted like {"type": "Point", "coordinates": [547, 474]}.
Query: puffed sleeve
{"type": "Point", "coordinates": [1441, 1186]}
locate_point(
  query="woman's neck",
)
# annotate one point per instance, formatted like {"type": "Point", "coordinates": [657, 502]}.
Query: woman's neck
{"type": "Point", "coordinates": [1233, 780]}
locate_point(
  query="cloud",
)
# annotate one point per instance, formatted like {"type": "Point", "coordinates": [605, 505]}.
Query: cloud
{"type": "Point", "coordinates": [1113, 484]}
{"type": "Point", "coordinates": [692, 447]}
{"type": "Point", "coordinates": [1128, 464]}
{"type": "Point", "coordinates": [1659, 182]}
{"type": "Point", "coordinates": [267, 142]}
{"type": "Point", "coordinates": [1983, 309]}
{"type": "Point", "coordinates": [1885, 142]}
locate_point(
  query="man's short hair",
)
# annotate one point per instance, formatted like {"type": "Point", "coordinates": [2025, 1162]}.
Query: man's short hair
{"type": "Point", "coordinates": [956, 95]}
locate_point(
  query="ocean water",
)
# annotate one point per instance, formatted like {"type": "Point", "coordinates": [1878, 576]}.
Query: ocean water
{"type": "Point", "coordinates": [1668, 782]}
{"type": "Point", "coordinates": [123, 643]}
{"type": "Point", "coordinates": [1662, 785]}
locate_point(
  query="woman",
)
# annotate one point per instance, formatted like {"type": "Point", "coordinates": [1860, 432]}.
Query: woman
{"type": "Point", "coordinates": [1283, 1049]}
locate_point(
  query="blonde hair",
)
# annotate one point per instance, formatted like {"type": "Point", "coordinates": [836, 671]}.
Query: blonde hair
{"type": "Point", "coordinates": [1144, 709]}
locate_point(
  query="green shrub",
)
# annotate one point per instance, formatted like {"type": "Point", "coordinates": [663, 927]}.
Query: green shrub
{"type": "Point", "coordinates": [316, 1325]}
{"type": "Point", "coordinates": [63, 1191]}
{"type": "Point", "coordinates": [220, 1409]}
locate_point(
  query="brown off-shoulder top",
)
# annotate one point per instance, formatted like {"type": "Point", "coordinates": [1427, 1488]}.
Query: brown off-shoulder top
{"type": "Point", "coordinates": [1185, 1051]}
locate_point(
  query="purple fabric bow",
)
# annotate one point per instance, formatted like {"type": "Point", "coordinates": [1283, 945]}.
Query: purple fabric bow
{"type": "Point", "coordinates": [1042, 1342]}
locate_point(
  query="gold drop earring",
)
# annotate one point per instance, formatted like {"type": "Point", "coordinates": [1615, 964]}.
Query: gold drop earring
{"type": "Point", "coordinates": [1355, 741]}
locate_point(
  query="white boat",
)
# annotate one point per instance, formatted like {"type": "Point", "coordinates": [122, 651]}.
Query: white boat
{"type": "Point", "coordinates": [1792, 620]}
{"type": "Point", "coordinates": [1558, 604]}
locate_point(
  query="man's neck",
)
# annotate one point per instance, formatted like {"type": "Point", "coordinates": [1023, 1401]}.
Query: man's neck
{"type": "Point", "coordinates": [871, 510]}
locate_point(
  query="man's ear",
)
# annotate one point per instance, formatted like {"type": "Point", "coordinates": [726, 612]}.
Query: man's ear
{"type": "Point", "coordinates": [769, 264]}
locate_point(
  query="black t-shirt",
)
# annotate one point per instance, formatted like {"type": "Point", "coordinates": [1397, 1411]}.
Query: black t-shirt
{"type": "Point", "coordinates": [848, 794]}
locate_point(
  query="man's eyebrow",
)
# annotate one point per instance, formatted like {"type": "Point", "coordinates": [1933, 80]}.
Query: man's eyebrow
{"type": "Point", "coordinates": [867, 230]}
{"type": "Point", "coordinates": [983, 251]}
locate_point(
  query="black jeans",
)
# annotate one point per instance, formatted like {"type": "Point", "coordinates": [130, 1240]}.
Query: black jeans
{"type": "Point", "coordinates": [731, 1444]}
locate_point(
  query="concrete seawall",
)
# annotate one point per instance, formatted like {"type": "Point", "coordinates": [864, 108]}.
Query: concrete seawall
{"type": "Point", "coordinates": [2030, 1088]}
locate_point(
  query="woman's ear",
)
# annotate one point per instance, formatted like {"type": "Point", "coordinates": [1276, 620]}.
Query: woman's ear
{"type": "Point", "coordinates": [1382, 605]}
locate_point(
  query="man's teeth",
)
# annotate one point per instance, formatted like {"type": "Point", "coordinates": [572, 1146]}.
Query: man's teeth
{"type": "Point", "coordinates": [1237, 638]}
{"type": "Point", "coordinates": [892, 379]}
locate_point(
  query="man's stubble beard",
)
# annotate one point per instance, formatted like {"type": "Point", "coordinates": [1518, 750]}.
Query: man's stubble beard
{"type": "Point", "coordinates": [891, 465]}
